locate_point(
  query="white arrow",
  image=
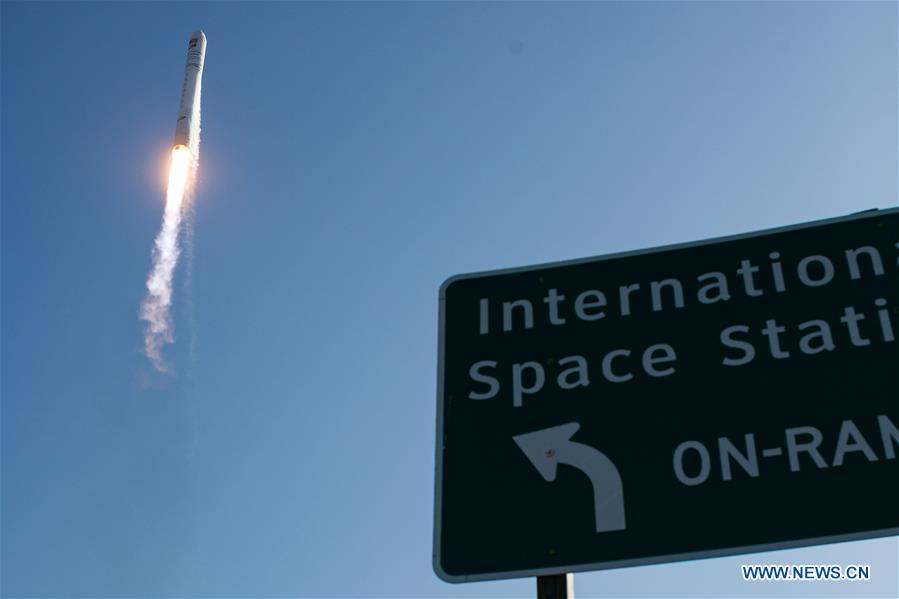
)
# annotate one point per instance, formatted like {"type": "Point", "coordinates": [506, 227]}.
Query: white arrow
{"type": "Point", "coordinates": [549, 447]}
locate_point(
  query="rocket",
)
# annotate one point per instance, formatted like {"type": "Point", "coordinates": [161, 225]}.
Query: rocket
{"type": "Point", "coordinates": [186, 130]}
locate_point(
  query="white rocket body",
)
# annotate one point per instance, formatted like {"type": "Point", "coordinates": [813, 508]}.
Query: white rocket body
{"type": "Point", "coordinates": [187, 131]}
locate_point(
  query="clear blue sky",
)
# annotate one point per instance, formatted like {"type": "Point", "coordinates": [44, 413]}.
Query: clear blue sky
{"type": "Point", "coordinates": [354, 156]}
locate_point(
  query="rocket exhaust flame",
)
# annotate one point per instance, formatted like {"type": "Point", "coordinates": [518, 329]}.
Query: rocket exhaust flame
{"type": "Point", "coordinates": [156, 307]}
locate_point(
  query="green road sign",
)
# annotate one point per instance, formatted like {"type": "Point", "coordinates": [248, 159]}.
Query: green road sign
{"type": "Point", "coordinates": [714, 398]}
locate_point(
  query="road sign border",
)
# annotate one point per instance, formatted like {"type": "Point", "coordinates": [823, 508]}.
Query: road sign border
{"type": "Point", "coordinates": [677, 557]}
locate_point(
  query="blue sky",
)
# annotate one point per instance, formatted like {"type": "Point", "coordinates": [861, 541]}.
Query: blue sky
{"type": "Point", "coordinates": [354, 156]}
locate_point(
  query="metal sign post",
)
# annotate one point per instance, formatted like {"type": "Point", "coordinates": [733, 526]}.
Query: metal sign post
{"type": "Point", "coordinates": [555, 586]}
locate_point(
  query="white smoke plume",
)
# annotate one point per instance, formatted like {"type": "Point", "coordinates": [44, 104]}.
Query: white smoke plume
{"type": "Point", "coordinates": [156, 307]}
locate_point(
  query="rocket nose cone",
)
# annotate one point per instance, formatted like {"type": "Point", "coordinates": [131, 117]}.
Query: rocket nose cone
{"type": "Point", "coordinates": [198, 35]}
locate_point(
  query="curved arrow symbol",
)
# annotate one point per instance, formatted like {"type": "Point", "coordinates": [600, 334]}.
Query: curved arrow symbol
{"type": "Point", "coordinates": [549, 447]}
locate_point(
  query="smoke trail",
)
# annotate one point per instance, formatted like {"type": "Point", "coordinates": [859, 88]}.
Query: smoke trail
{"type": "Point", "coordinates": [156, 306]}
